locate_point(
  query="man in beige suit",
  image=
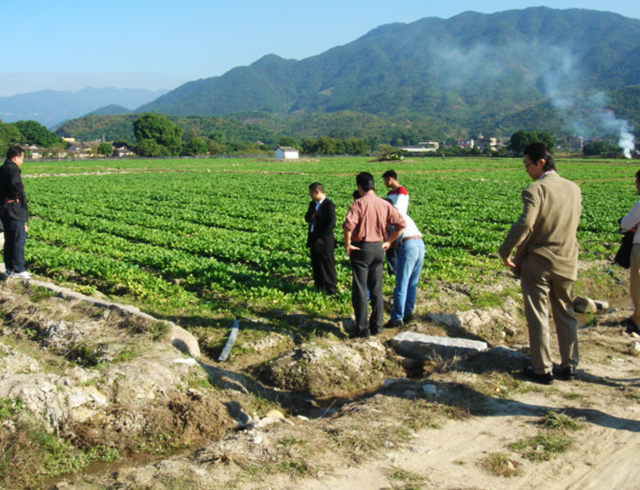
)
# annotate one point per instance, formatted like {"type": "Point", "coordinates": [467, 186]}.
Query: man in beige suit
{"type": "Point", "coordinates": [547, 262]}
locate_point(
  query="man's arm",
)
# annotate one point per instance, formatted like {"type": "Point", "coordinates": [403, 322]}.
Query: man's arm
{"type": "Point", "coordinates": [631, 220]}
{"type": "Point", "coordinates": [396, 220]}
{"type": "Point", "coordinates": [521, 229]}
{"type": "Point", "coordinates": [308, 217]}
{"type": "Point", "coordinates": [328, 222]}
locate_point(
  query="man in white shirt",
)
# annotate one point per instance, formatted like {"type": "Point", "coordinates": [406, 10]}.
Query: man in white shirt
{"type": "Point", "coordinates": [410, 255]}
{"type": "Point", "coordinates": [630, 223]}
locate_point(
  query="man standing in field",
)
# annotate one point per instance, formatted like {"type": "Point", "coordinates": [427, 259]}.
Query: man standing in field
{"type": "Point", "coordinates": [14, 213]}
{"type": "Point", "coordinates": [399, 196]}
{"type": "Point", "coordinates": [409, 266]}
{"type": "Point", "coordinates": [364, 238]}
{"type": "Point", "coordinates": [321, 217]}
{"type": "Point", "coordinates": [547, 262]}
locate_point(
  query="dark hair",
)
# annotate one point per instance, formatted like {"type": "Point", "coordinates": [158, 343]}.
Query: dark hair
{"type": "Point", "coordinates": [390, 173]}
{"type": "Point", "coordinates": [638, 175]}
{"type": "Point", "coordinates": [538, 151]}
{"type": "Point", "coordinates": [14, 151]}
{"type": "Point", "coordinates": [316, 186]}
{"type": "Point", "coordinates": [356, 194]}
{"type": "Point", "coordinates": [365, 180]}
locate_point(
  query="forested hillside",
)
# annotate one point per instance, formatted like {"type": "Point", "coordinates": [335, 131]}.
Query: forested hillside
{"type": "Point", "coordinates": [473, 72]}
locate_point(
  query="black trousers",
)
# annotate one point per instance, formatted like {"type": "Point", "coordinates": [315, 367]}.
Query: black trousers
{"type": "Point", "coordinates": [367, 274]}
{"type": "Point", "coordinates": [323, 264]}
{"type": "Point", "coordinates": [15, 238]}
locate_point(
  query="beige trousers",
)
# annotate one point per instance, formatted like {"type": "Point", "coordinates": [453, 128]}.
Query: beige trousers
{"type": "Point", "coordinates": [541, 287]}
{"type": "Point", "coordinates": [634, 282]}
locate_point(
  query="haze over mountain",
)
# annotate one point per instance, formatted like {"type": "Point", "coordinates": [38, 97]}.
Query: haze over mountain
{"type": "Point", "coordinates": [50, 107]}
{"type": "Point", "coordinates": [537, 68]}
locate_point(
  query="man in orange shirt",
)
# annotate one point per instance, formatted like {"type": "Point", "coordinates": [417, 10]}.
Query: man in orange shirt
{"type": "Point", "coordinates": [365, 242]}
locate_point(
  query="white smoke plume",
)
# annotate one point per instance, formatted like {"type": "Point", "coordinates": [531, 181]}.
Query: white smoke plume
{"type": "Point", "coordinates": [584, 110]}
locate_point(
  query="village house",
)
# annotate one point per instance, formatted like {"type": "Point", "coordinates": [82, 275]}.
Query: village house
{"type": "Point", "coordinates": [422, 147]}
{"type": "Point", "coordinates": [287, 153]}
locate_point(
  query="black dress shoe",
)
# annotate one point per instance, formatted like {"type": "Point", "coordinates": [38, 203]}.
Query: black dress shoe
{"type": "Point", "coordinates": [544, 379]}
{"type": "Point", "coordinates": [359, 335]}
{"type": "Point", "coordinates": [568, 373]}
{"type": "Point", "coordinates": [630, 326]}
{"type": "Point", "coordinates": [393, 324]}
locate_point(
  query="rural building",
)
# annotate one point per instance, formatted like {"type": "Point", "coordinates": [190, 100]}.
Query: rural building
{"type": "Point", "coordinates": [468, 144]}
{"type": "Point", "coordinates": [286, 153]}
{"type": "Point", "coordinates": [490, 142]}
{"type": "Point", "coordinates": [422, 147]}
{"type": "Point", "coordinates": [122, 150]}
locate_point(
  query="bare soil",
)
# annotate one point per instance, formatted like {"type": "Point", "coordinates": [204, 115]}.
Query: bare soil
{"type": "Point", "coordinates": [329, 413]}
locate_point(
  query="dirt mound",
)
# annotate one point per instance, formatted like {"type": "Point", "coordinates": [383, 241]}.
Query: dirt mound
{"type": "Point", "coordinates": [333, 368]}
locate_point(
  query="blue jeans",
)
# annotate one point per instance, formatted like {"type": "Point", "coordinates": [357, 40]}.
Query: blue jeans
{"type": "Point", "coordinates": [410, 259]}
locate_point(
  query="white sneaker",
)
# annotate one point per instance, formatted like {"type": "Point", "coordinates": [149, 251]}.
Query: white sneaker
{"type": "Point", "coordinates": [22, 275]}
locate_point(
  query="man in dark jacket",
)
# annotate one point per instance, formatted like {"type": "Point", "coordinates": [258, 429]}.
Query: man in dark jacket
{"type": "Point", "coordinates": [14, 213]}
{"type": "Point", "coordinates": [321, 217]}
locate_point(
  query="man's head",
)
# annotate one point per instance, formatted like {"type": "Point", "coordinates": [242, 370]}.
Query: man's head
{"type": "Point", "coordinates": [365, 182]}
{"type": "Point", "coordinates": [390, 178]}
{"type": "Point", "coordinates": [538, 160]}
{"type": "Point", "coordinates": [316, 191]}
{"type": "Point", "coordinates": [638, 181]}
{"type": "Point", "coordinates": [16, 155]}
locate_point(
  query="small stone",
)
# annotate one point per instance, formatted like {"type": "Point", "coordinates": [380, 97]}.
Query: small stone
{"type": "Point", "coordinates": [389, 444]}
{"type": "Point", "coordinates": [276, 414]}
{"type": "Point", "coordinates": [257, 439]}
{"type": "Point", "coordinates": [415, 449]}
{"type": "Point", "coordinates": [584, 305]}
{"type": "Point", "coordinates": [430, 389]}
{"type": "Point", "coordinates": [635, 346]}
{"type": "Point", "coordinates": [601, 305]}
{"type": "Point", "coordinates": [302, 417]}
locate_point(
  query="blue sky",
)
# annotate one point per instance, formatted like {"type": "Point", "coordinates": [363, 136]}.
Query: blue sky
{"type": "Point", "coordinates": [72, 44]}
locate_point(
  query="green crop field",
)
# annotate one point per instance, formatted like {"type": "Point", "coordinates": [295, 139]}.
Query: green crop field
{"type": "Point", "coordinates": [196, 237]}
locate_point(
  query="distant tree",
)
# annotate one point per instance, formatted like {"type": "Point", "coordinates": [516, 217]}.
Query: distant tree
{"type": "Point", "coordinates": [159, 130]}
{"type": "Point", "coordinates": [105, 149]}
{"type": "Point", "coordinates": [9, 135]}
{"type": "Point", "coordinates": [602, 148]}
{"type": "Point", "coordinates": [521, 139]}
{"type": "Point", "coordinates": [288, 141]}
{"type": "Point", "coordinates": [149, 148]}
{"type": "Point", "coordinates": [34, 133]}
{"type": "Point", "coordinates": [195, 146]}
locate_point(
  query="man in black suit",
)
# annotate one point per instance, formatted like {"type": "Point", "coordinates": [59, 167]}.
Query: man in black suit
{"type": "Point", "coordinates": [14, 213]}
{"type": "Point", "coordinates": [321, 217]}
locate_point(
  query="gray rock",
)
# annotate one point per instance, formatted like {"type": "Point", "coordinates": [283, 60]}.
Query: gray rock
{"type": "Point", "coordinates": [635, 346]}
{"type": "Point", "coordinates": [419, 346]}
{"type": "Point", "coordinates": [584, 305]}
{"type": "Point", "coordinates": [430, 389]}
{"type": "Point", "coordinates": [184, 341]}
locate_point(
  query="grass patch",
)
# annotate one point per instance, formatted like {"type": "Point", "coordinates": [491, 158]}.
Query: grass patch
{"type": "Point", "coordinates": [29, 454]}
{"type": "Point", "coordinates": [560, 421]}
{"type": "Point", "coordinates": [543, 447]}
{"type": "Point", "coordinates": [499, 464]}
{"type": "Point", "coordinates": [408, 479]}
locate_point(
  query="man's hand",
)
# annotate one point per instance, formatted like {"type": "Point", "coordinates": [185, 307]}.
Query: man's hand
{"type": "Point", "coordinates": [349, 248]}
{"type": "Point", "coordinates": [386, 245]}
{"type": "Point", "coordinates": [507, 261]}
{"type": "Point", "coordinates": [320, 241]}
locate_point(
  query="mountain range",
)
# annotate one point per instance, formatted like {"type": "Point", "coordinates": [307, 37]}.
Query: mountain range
{"type": "Point", "coordinates": [571, 72]}
{"type": "Point", "coordinates": [51, 107]}
{"type": "Point", "coordinates": [482, 72]}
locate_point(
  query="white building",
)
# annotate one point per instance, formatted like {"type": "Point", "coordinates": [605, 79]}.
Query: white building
{"type": "Point", "coordinates": [286, 153]}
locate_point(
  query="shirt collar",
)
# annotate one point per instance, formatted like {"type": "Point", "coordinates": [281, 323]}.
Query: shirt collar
{"type": "Point", "coordinates": [546, 173]}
